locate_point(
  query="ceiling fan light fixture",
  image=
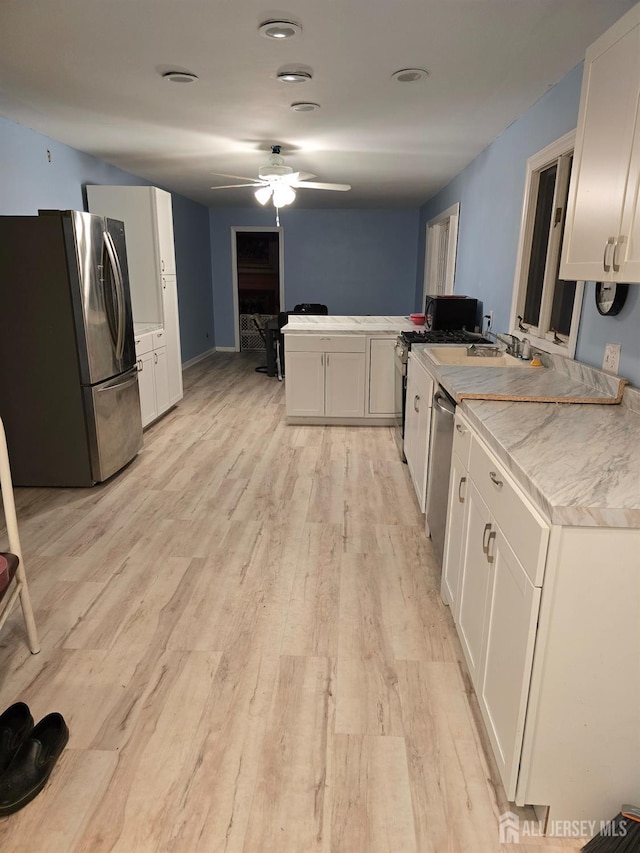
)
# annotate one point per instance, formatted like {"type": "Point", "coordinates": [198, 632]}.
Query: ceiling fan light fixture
{"type": "Point", "coordinates": [283, 195]}
{"type": "Point", "coordinates": [304, 107]}
{"type": "Point", "coordinates": [294, 76]}
{"type": "Point", "coordinates": [180, 77]}
{"type": "Point", "coordinates": [279, 29]}
{"type": "Point", "coordinates": [410, 75]}
{"type": "Point", "coordinates": [263, 194]}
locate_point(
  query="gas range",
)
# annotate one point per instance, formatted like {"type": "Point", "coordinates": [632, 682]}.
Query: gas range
{"type": "Point", "coordinates": [430, 336]}
{"type": "Point", "coordinates": [441, 336]}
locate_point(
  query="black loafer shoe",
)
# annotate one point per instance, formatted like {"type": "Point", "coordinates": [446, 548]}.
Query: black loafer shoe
{"type": "Point", "coordinates": [15, 724]}
{"type": "Point", "coordinates": [27, 774]}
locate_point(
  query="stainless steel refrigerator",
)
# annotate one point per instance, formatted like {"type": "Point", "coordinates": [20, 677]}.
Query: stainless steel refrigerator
{"type": "Point", "coordinates": [69, 395]}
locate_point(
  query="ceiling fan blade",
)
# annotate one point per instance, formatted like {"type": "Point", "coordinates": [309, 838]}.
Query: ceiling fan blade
{"type": "Point", "coordinates": [315, 186]}
{"type": "Point", "coordinates": [306, 176]}
{"type": "Point", "coordinates": [235, 186]}
{"type": "Point", "coordinates": [239, 177]}
{"type": "Point", "coordinates": [293, 178]}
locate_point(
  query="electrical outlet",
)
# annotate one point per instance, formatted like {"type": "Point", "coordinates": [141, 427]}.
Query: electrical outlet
{"type": "Point", "coordinates": [611, 359]}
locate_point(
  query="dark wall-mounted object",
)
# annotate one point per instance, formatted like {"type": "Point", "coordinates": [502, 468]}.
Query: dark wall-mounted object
{"type": "Point", "coordinates": [610, 297]}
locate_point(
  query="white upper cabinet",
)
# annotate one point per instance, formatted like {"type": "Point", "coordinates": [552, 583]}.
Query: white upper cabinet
{"type": "Point", "coordinates": [602, 232]}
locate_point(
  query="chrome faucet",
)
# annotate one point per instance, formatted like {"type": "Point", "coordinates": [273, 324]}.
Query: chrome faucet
{"type": "Point", "coordinates": [511, 342]}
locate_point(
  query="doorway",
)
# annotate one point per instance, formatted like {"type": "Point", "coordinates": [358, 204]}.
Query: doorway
{"type": "Point", "coordinates": [257, 259]}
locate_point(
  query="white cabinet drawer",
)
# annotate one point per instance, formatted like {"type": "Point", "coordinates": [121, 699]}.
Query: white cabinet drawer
{"type": "Point", "coordinates": [462, 439]}
{"type": "Point", "coordinates": [524, 528]}
{"type": "Point", "coordinates": [325, 343]}
{"type": "Point", "coordinates": [144, 344]}
{"type": "Point", "coordinates": [159, 339]}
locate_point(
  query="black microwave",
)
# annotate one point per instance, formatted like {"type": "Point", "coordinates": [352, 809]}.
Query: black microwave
{"type": "Point", "coordinates": [450, 312]}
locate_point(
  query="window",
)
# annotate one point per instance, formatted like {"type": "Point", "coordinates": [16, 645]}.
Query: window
{"type": "Point", "coordinates": [440, 252]}
{"type": "Point", "coordinates": [546, 309]}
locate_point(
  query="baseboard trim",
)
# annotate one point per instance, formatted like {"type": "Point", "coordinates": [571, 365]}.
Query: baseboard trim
{"type": "Point", "coordinates": [226, 349]}
{"type": "Point", "coordinates": [197, 358]}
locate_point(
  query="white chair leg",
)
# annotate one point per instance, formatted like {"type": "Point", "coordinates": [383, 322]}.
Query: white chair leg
{"type": "Point", "coordinates": [14, 545]}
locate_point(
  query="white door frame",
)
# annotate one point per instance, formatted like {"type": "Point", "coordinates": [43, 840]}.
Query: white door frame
{"type": "Point", "coordinates": [451, 214]}
{"type": "Point", "coordinates": [235, 229]}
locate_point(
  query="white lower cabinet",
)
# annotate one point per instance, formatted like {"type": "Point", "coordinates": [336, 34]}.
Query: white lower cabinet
{"type": "Point", "coordinates": [382, 392]}
{"type": "Point", "coordinates": [457, 505]}
{"type": "Point", "coordinates": [549, 623]}
{"type": "Point", "coordinates": [509, 634]}
{"type": "Point", "coordinates": [325, 376]}
{"type": "Point", "coordinates": [494, 600]}
{"type": "Point", "coordinates": [417, 426]}
{"type": "Point", "coordinates": [153, 376]}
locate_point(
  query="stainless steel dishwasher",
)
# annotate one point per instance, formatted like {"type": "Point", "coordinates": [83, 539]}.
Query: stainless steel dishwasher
{"type": "Point", "coordinates": [442, 414]}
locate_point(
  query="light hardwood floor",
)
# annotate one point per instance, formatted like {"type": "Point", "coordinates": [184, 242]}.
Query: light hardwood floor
{"type": "Point", "coordinates": [244, 632]}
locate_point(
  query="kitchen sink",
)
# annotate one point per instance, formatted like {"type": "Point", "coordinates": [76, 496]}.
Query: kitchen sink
{"type": "Point", "coordinates": [477, 356]}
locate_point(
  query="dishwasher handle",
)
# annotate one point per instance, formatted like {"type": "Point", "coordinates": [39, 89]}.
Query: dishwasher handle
{"type": "Point", "coordinates": [443, 404]}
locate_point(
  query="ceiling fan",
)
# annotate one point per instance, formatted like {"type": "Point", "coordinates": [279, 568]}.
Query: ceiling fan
{"type": "Point", "coordinates": [278, 182]}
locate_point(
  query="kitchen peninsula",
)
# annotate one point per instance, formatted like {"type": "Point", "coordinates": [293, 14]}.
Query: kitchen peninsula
{"type": "Point", "coordinates": [340, 369]}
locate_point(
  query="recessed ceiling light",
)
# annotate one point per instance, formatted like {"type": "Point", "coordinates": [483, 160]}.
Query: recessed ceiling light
{"type": "Point", "coordinates": [304, 107]}
{"type": "Point", "coordinates": [294, 76]}
{"type": "Point", "coordinates": [279, 29]}
{"type": "Point", "coordinates": [410, 75]}
{"type": "Point", "coordinates": [180, 77]}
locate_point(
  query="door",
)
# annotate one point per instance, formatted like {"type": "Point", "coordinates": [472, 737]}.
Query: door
{"type": "Point", "coordinates": [456, 535]}
{"type": "Point", "coordinates": [439, 465]}
{"type": "Point", "coordinates": [114, 423]}
{"type": "Point", "coordinates": [171, 323]}
{"type": "Point", "coordinates": [97, 292]}
{"type": "Point", "coordinates": [510, 638]}
{"type": "Point", "coordinates": [606, 126]}
{"type": "Point", "coordinates": [147, 388]}
{"type": "Point", "coordinates": [382, 394]}
{"type": "Point", "coordinates": [116, 240]}
{"type": "Point", "coordinates": [344, 384]}
{"type": "Point", "coordinates": [161, 378]}
{"type": "Point", "coordinates": [258, 289]}
{"type": "Point", "coordinates": [475, 583]}
{"type": "Point", "coordinates": [304, 386]}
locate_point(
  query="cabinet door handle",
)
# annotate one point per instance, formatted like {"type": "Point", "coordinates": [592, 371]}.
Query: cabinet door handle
{"type": "Point", "coordinates": [490, 557]}
{"type": "Point", "coordinates": [463, 480]}
{"type": "Point", "coordinates": [618, 243]}
{"type": "Point", "coordinates": [155, 358]}
{"type": "Point", "coordinates": [494, 479]}
{"type": "Point", "coordinates": [327, 359]}
{"type": "Point", "coordinates": [322, 359]}
{"type": "Point", "coordinates": [486, 536]}
{"type": "Point", "coordinates": [461, 429]}
{"type": "Point", "coordinates": [610, 242]}
{"type": "Point", "coordinates": [416, 400]}
{"type": "Point", "coordinates": [140, 365]}
{"type": "Point", "coordinates": [162, 263]}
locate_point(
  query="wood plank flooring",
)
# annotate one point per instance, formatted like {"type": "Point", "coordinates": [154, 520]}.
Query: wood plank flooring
{"type": "Point", "coordinates": [244, 632]}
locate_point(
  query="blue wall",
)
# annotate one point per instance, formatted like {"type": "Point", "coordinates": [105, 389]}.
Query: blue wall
{"type": "Point", "coordinates": [354, 261]}
{"type": "Point", "coordinates": [28, 182]}
{"type": "Point", "coordinates": [491, 192]}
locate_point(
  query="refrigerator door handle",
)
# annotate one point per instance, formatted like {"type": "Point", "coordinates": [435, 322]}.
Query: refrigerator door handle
{"type": "Point", "coordinates": [131, 377]}
{"type": "Point", "coordinates": [117, 275]}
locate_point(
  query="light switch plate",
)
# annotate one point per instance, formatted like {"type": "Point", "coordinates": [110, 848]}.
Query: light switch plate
{"type": "Point", "coordinates": [611, 360]}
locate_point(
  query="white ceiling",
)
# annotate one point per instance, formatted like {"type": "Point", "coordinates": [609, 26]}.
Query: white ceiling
{"type": "Point", "coordinates": [87, 73]}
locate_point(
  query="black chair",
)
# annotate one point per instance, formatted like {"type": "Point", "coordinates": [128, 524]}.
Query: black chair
{"type": "Point", "coordinates": [283, 319]}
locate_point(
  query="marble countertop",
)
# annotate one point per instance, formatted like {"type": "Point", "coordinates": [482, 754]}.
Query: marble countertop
{"type": "Point", "coordinates": [559, 380]}
{"type": "Point", "coordinates": [144, 328]}
{"type": "Point", "coordinates": [318, 324]}
{"type": "Point", "coordinates": [579, 464]}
